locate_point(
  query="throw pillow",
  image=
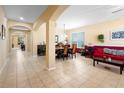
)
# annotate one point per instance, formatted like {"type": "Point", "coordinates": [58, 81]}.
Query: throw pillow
{"type": "Point", "coordinates": [120, 52]}
{"type": "Point", "coordinates": [107, 51]}
{"type": "Point", "coordinates": [114, 52]}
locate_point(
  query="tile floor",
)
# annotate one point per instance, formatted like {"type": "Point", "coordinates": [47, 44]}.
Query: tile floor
{"type": "Point", "coordinates": [24, 71]}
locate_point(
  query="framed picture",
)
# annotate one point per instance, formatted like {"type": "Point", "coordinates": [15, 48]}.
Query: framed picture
{"type": "Point", "coordinates": [3, 32]}
{"type": "Point", "coordinates": [117, 35]}
{"type": "Point", "coordinates": [56, 38]}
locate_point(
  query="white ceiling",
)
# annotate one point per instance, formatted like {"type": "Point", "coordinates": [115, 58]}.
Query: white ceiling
{"type": "Point", "coordinates": [29, 12]}
{"type": "Point", "coordinates": [82, 15]}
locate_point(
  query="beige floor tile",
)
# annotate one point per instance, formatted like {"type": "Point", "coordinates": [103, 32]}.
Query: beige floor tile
{"type": "Point", "coordinates": [23, 84]}
{"type": "Point", "coordinates": [89, 84]}
{"type": "Point", "coordinates": [51, 85]}
{"type": "Point", "coordinates": [109, 83]}
{"type": "Point", "coordinates": [25, 71]}
{"type": "Point", "coordinates": [66, 85]}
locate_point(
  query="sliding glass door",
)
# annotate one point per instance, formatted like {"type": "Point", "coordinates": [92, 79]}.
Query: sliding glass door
{"type": "Point", "coordinates": [77, 38]}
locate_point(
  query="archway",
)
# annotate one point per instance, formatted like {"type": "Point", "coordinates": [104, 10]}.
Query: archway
{"type": "Point", "coordinates": [20, 38]}
{"type": "Point", "coordinates": [49, 17]}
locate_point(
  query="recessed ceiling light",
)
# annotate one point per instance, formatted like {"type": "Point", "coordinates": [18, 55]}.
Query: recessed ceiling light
{"type": "Point", "coordinates": [21, 18]}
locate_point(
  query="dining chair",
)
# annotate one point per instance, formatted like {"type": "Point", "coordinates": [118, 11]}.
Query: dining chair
{"type": "Point", "coordinates": [73, 52]}
{"type": "Point", "coordinates": [65, 52]}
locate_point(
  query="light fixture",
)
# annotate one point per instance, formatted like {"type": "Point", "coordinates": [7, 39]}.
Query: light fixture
{"type": "Point", "coordinates": [65, 32]}
{"type": "Point", "coordinates": [21, 18]}
{"type": "Point", "coordinates": [65, 36]}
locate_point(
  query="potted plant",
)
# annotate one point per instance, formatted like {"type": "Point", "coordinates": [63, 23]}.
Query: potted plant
{"type": "Point", "coordinates": [101, 37]}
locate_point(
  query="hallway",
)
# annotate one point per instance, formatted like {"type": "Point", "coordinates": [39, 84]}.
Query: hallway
{"type": "Point", "coordinates": [23, 70]}
{"type": "Point", "coordinates": [20, 69]}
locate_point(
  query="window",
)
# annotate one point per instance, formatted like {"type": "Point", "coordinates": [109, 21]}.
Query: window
{"type": "Point", "coordinates": [77, 38]}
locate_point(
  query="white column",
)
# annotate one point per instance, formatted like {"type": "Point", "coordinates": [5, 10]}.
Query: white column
{"type": "Point", "coordinates": [50, 45]}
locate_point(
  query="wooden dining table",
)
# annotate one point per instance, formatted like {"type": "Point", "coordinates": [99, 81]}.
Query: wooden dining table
{"type": "Point", "coordinates": [62, 48]}
{"type": "Point", "coordinates": [59, 50]}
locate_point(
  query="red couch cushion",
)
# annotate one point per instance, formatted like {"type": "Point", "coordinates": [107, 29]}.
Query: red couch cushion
{"type": "Point", "coordinates": [121, 58]}
{"type": "Point", "coordinates": [99, 50]}
{"type": "Point", "coordinates": [98, 55]}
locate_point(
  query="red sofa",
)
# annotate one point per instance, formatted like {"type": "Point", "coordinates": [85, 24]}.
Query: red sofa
{"type": "Point", "coordinates": [99, 52]}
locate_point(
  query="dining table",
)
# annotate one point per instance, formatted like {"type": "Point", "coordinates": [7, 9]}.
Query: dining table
{"type": "Point", "coordinates": [60, 50]}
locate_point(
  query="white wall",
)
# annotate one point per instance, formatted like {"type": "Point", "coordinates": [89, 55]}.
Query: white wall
{"type": "Point", "coordinates": [92, 31]}
{"type": "Point", "coordinates": [4, 49]}
{"type": "Point", "coordinates": [39, 36]}
{"type": "Point", "coordinates": [60, 33]}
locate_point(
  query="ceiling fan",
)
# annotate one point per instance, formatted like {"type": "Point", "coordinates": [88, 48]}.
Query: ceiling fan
{"type": "Point", "coordinates": [118, 10]}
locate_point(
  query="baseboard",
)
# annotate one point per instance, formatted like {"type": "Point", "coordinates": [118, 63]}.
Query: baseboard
{"type": "Point", "coordinates": [52, 68]}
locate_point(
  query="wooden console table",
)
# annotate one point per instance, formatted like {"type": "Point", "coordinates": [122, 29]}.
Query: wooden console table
{"type": "Point", "coordinates": [41, 50]}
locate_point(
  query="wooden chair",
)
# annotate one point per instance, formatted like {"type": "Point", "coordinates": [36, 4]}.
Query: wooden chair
{"type": "Point", "coordinates": [65, 52]}
{"type": "Point", "coordinates": [73, 52]}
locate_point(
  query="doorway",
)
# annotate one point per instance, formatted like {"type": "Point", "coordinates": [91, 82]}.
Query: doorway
{"type": "Point", "coordinates": [18, 42]}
